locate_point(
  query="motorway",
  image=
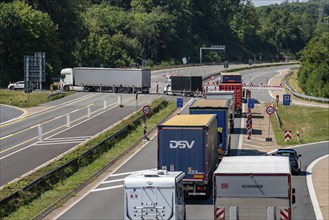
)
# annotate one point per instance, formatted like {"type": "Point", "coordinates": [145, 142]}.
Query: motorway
{"type": "Point", "coordinates": [105, 201]}
{"type": "Point", "coordinates": [19, 142]}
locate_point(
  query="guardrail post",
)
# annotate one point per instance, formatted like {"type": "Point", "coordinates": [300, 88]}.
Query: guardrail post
{"type": "Point", "coordinates": [104, 105]}
{"type": "Point", "coordinates": [68, 124]}
{"type": "Point", "coordinates": [10, 100]}
{"type": "Point", "coordinates": [39, 132]}
{"type": "Point", "coordinates": [88, 111]}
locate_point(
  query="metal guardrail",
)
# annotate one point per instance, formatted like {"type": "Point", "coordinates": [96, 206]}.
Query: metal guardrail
{"type": "Point", "coordinates": [307, 97]}
{"type": "Point", "coordinates": [73, 164]}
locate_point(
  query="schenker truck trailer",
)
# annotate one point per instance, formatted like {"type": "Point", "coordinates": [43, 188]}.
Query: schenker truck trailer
{"type": "Point", "coordinates": [224, 121]}
{"type": "Point", "coordinates": [188, 143]}
{"type": "Point", "coordinates": [154, 194]}
{"type": "Point", "coordinates": [253, 187]}
{"type": "Point", "coordinates": [106, 79]}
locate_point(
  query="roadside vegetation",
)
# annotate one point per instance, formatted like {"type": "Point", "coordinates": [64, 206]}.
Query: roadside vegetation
{"type": "Point", "coordinates": [293, 82]}
{"type": "Point", "coordinates": [27, 209]}
{"type": "Point", "coordinates": [312, 123]}
{"type": "Point", "coordinates": [151, 33]}
{"type": "Point", "coordinates": [25, 100]}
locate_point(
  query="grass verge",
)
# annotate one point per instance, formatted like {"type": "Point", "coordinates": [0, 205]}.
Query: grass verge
{"type": "Point", "coordinates": [293, 82]}
{"type": "Point", "coordinates": [20, 99]}
{"type": "Point", "coordinates": [312, 124]}
{"type": "Point", "coordinates": [65, 186]}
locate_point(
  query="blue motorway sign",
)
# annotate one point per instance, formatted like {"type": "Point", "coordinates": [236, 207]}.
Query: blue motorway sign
{"type": "Point", "coordinates": [286, 99]}
{"type": "Point", "coordinates": [251, 103]}
{"type": "Point", "coordinates": [179, 102]}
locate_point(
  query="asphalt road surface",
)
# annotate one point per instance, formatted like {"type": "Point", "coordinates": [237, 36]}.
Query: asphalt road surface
{"type": "Point", "coordinates": [22, 141]}
{"type": "Point", "coordinates": [106, 200]}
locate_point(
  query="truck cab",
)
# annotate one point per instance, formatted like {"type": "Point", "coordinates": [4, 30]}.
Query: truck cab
{"type": "Point", "coordinates": [66, 79]}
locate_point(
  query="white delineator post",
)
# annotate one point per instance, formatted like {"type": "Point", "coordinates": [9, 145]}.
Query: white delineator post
{"type": "Point", "coordinates": [104, 105]}
{"type": "Point", "coordinates": [39, 132]}
{"type": "Point", "coordinates": [68, 123]}
{"type": "Point", "coordinates": [88, 111]}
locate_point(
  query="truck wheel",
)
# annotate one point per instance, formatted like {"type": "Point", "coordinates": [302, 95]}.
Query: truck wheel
{"type": "Point", "coordinates": [11, 87]}
{"type": "Point", "coordinates": [66, 88]}
{"type": "Point", "coordinates": [115, 90]}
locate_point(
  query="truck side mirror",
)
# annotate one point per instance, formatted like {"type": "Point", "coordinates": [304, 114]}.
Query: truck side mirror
{"type": "Point", "coordinates": [299, 155]}
{"type": "Point", "coordinates": [293, 190]}
{"type": "Point", "coordinates": [293, 199]}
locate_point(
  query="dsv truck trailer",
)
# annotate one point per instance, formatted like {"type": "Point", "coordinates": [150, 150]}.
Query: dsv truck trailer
{"type": "Point", "coordinates": [106, 79]}
{"type": "Point", "coordinates": [154, 194]}
{"type": "Point", "coordinates": [253, 187]}
{"type": "Point", "coordinates": [188, 143]}
{"type": "Point", "coordinates": [224, 122]}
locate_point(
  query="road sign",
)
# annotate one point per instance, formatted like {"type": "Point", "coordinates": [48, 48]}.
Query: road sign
{"type": "Point", "coordinates": [146, 110]}
{"type": "Point", "coordinates": [286, 99]}
{"type": "Point", "coordinates": [270, 110]}
{"type": "Point", "coordinates": [179, 102]}
{"type": "Point", "coordinates": [251, 103]}
{"type": "Point", "coordinates": [287, 135]}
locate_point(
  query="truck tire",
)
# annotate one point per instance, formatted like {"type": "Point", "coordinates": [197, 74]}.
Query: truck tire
{"type": "Point", "coordinates": [11, 87]}
{"type": "Point", "coordinates": [66, 88]}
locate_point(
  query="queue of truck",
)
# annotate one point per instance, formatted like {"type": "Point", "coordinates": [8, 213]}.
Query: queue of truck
{"type": "Point", "coordinates": [193, 152]}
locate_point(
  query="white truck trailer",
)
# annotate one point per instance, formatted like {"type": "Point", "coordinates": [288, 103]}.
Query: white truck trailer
{"type": "Point", "coordinates": [106, 79]}
{"type": "Point", "coordinates": [253, 187]}
{"type": "Point", "coordinates": [154, 194]}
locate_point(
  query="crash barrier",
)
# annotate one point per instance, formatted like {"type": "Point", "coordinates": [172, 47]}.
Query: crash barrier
{"type": "Point", "coordinates": [278, 118]}
{"type": "Point", "coordinates": [38, 186]}
{"type": "Point", "coordinates": [306, 97]}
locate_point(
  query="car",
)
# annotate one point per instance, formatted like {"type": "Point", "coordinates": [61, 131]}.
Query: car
{"type": "Point", "coordinates": [295, 162]}
{"type": "Point", "coordinates": [20, 85]}
{"type": "Point", "coordinates": [16, 85]}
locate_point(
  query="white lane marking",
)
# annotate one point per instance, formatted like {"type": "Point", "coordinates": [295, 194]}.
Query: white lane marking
{"type": "Point", "coordinates": [316, 206]}
{"type": "Point", "coordinates": [24, 114]}
{"type": "Point", "coordinates": [112, 181]}
{"type": "Point", "coordinates": [297, 146]}
{"type": "Point", "coordinates": [31, 145]}
{"type": "Point", "coordinates": [107, 188]}
{"type": "Point", "coordinates": [58, 143]}
{"type": "Point", "coordinates": [83, 196]}
{"type": "Point", "coordinates": [68, 138]}
{"type": "Point", "coordinates": [269, 83]}
{"type": "Point", "coordinates": [8, 155]}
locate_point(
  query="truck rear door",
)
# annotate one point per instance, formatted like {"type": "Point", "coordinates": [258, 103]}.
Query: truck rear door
{"type": "Point", "coordinates": [182, 149]}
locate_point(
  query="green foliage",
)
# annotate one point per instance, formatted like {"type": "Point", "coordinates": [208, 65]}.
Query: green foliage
{"type": "Point", "coordinates": [314, 75]}
{"type": "Point", "coordinates": [24, 31]}
{"type": "Point", "coordinates": [119, 33]}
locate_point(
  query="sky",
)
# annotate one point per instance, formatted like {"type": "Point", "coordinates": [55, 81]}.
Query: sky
{"type": "Point", "coordinates": [269, 2]}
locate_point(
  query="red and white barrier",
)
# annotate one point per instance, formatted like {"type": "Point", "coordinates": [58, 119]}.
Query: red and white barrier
{"type": "Point", "coordinates": [220, 213]}
{"type": "Point", "coordinates": [284, 213]}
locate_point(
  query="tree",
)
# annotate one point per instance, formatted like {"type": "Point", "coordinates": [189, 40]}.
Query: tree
{"type": "Point", "coordinates": [24, 31]}
{"type": "Point", "coordinates": [313, 75]}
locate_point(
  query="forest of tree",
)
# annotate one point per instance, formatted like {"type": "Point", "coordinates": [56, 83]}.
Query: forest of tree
{"type": "Point", "coordinates": [119, 33]}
